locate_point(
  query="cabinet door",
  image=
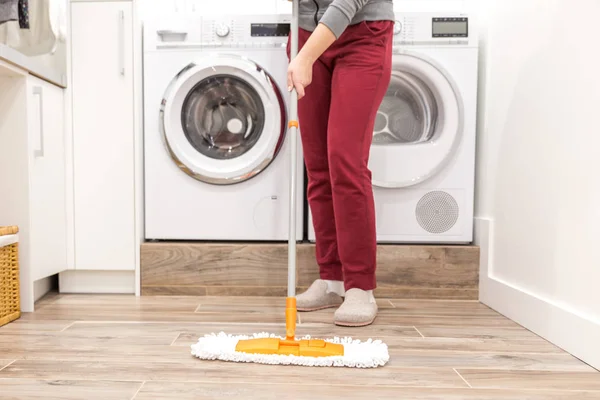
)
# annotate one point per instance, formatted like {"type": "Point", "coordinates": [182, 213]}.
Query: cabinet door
{"type": "Point", "coordinates": [103, 135]}
{"type": "Point", "coordinates": [48, 218]}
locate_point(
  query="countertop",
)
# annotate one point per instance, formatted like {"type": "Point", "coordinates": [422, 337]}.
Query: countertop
{"type": "Point", "coordinates": [35, 68]}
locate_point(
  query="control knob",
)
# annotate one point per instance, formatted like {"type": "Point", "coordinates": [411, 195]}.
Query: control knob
{"type": "Point", "coordinates": [397, 27]}
{"type": "Point", "coordinates": [222, 30]}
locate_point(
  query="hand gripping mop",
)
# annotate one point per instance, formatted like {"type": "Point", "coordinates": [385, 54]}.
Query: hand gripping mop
{"type": "Point", "coordinates": [265, 348]}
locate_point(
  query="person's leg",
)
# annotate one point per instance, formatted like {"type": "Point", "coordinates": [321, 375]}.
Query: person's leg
{"type": "Point", "coordinates": [313, 115]}
{"type": "Point", "coordinates": [360, 79]}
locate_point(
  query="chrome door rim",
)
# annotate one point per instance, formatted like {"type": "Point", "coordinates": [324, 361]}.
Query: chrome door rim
{"type": "Point", "coordinates": [428, 71]}
{"type": "Point", "coordinates": [258, 158]}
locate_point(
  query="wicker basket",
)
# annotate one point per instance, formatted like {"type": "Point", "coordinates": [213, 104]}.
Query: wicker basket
{"type": "Point", "coordinates": [10, 307]}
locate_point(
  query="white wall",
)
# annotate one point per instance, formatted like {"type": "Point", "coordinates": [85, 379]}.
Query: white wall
{"type": "Point", "coordinates": [162, 8]}
{"type": "Point", "coordinates": [538, 184]}
{"type": "Point", "coordinates": [151, 8]}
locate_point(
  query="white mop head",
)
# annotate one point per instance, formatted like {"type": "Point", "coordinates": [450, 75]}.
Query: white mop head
{"type": "Point", "coordinates": [357, 354]}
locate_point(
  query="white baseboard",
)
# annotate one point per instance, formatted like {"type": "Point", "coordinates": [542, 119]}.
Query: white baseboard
{"type": "Point", "coordinates": [115, 282]}
{"type": "Point", "coordinates": [575, 333]}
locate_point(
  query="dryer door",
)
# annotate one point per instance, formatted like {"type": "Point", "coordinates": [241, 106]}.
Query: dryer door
{"type": "Point", "coordinates": [418, 125]}
{"type": "Point", "coordinates": [223, 119]}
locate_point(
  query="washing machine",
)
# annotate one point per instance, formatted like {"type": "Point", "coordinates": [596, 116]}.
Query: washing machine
{"type": "Point", "coordinates": [216, 146]}
{"type": "Point", "coordinates": [423, 151]}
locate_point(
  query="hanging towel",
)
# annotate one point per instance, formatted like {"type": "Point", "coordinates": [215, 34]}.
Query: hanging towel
{"type": "Point", "coordinates": [47, 20]}
{"type": "Point", "coordinates": [23, 14]}
{"type": "Point", "coordinates": [47, 30]}
{"type": "Point", "coordinates": [58, 21]}
{"type": "Point", "coordinates": [9, 10]}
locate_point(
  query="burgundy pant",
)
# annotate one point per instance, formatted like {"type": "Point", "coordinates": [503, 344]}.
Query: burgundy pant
{"type": "Point", "coordinates": [336, 119]}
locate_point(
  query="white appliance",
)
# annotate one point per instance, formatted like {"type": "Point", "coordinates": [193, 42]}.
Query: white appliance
{"type": "Point", "coordinates": [217, 161]}
{"type": "Point", "coordinates": [423, 152]}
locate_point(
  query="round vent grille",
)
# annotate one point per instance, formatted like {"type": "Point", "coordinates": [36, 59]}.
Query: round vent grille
{"type": "Point", "coordinates": [437, 212]}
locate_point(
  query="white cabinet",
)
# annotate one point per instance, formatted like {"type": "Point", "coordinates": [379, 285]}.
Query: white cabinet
{"type": "Point", "coordinates": [103, 135]}
{"type": "Point", "coordinates": [33, 176]}
{"type": "Point", "coordinates": [47, 178]}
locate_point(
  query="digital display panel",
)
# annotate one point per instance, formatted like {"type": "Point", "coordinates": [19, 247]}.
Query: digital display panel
{"type": "Point", "coordinates": [450, 27]}
{"type": "Point", "coordinates": [269, 30]}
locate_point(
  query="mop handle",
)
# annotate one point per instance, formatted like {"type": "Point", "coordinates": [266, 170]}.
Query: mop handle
{"type": "Point", "coordinates": [293, 130]}
{"type": "Point", "coordinates": [290, 304]}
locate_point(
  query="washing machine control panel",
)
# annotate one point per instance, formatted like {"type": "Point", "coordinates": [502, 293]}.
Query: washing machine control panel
{"type": "Point", "coordinates": [246, 30]}
{"type": "Point", "coordinates": [271, 31]}
{"type": "Point", "coordinates": [218, 31]}
{"type": "Point", "coordinates": [434, 29]}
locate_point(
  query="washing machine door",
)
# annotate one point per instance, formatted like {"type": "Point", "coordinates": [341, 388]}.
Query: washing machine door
{"type": "Point", "coordinates": [418, 125]}
{"type": "Point", "coordinates": [223, 119]}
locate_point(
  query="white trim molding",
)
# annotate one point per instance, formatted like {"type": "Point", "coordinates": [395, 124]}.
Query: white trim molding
{"type": "Point", "coordinates": [558, 323]}
{"type": "Point", "coordinates": [138, 124]}
{"type": "Point", "coordinates": [99, 282]}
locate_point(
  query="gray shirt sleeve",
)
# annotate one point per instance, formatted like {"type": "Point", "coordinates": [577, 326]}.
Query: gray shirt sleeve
{"type": "Point", "coordinates": [339, 14]}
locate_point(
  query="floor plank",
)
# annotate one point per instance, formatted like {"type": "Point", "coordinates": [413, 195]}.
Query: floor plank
{"type": "Point", "coordinates": [434, 328]}
{"type": "Point", "coordinates": [4, 363]}
{"type": "Point", "coordinates": [440, 307]}
{"type": "Point", "coordinates": [67, 349]}
{"type": "Point", "coordinates": [211, 371]}
{"type": "Point", "coordinates": [393, 317]}
{"type": "Point", "coordinates": [190, 331]}
{"type": "Point", "coordinates": [170, 329]}
{"type": "Point", "coordinates": [485, 378]}
{"type": "Point", "coordinates": [68, 339]}
{"type": "Point", "coordinates": [274, 305]}
{"type": "Point", "coordinates": [523, 346]}
{"type": "Point", "coordinates": [216, 391]}
{"type": "Point", "coordinates": [26, 326]}
{"type": "Point", "coordinates": [76, 314]}
{"type": "Point", "coordinates": [413, 293]}
{"type": "Point", "coordinates": [367, 332]}
{"type": "Point", "coordinates": [67, 389]}
{"type": "Point", "coordinates": [236, 301]}
{"type": "Point", "coordinates": [111, 302]}
{"type": "Point", "coordinates": [469, 360]}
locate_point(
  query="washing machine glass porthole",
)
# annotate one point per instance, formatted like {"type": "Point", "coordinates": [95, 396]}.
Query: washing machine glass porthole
{"type": "Point", "coordinates": [419, 122]}
{"type": "Point", "coordinates": [222, 117]}
{"type": "Point", "coordinates": [408, 112]}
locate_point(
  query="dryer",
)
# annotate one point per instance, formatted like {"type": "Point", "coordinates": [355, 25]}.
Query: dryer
{"type": "Point", "coordinates": [217, 159]}
{"type": "Point", "coordinates": [423, 151]}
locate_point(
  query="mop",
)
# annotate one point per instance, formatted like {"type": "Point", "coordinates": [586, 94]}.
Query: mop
{"type": "Point", "coordinates": [268, 348]}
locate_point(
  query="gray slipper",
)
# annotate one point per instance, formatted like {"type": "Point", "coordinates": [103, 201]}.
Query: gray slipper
{"type": "Point", "coordinates": [317, 298]}
{"type": "Point", "coordinates": [358, 309]}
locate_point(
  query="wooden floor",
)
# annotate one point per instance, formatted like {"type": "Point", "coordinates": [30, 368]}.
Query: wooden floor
{"type": "Point", "coordinates": [122, 347]}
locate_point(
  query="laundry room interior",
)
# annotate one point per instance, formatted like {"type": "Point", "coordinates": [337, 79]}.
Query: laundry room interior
{"type": "Point", "coordinates": [154, 189]}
